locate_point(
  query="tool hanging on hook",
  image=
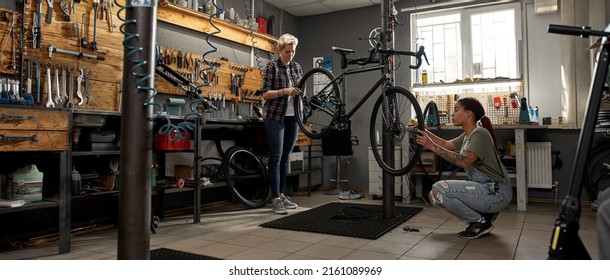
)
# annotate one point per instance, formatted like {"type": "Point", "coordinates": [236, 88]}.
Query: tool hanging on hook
{"type": "Point", "coordinates": [49, 11]}
{"type": "Point", "coordinates": [96, 6]}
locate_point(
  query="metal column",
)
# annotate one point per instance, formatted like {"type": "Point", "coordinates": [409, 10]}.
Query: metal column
{"type": "Point", "coordinates": [136, 130]}
{"type": "Point", "coordinates": [387, 139]}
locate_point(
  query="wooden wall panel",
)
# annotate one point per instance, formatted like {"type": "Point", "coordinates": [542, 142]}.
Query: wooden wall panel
{"type": "Point", "coordinates": [106, 74]}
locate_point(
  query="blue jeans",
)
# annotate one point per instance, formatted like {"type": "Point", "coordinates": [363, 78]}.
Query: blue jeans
{"type": "Point", "coordinates": [281, 137]}
{"type": "Point", "coordinates": [468, 199]}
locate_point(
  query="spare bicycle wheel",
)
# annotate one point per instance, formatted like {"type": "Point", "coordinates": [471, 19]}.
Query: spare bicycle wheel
{"type": "Point", "coordinates": [246, 177]}
{"type": "Point", "coordinates": [318, 106]}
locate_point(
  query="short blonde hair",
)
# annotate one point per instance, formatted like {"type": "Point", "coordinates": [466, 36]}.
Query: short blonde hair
{"type": "Point", "coordinates": [287, 39]}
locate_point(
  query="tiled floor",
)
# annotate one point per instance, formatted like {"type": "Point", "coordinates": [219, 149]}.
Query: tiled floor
{"type": "Point", "coordinates": [230, 232]}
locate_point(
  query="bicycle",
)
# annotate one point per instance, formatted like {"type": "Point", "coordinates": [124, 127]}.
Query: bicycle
{"type": "Point", "coordinates": [597, 174]}
{"type": "Point", "coordinates": [321, 106]}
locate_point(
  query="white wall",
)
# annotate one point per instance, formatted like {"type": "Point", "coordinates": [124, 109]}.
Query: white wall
{"type": "Point", "coordinates": [543, 76]}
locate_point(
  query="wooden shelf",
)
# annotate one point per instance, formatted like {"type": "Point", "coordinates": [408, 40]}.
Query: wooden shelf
{"type": "Point", "coordinates": [190, 19]}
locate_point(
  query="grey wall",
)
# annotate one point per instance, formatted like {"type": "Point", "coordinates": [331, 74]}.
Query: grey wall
{"type": "Point", "coordinates": [317, 34]}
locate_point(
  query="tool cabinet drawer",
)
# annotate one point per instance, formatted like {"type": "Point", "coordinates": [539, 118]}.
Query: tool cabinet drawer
{"type": "Point", "coordinates": [32, 140]}
{"type": "Point", "coordinates": [33, 119]}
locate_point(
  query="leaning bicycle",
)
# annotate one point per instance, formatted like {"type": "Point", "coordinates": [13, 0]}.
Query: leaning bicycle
{"type": "Point", "coordinates": [320, 106]}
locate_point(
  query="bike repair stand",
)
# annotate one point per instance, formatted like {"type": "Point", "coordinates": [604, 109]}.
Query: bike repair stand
{"type": "Point", "coordinates": [338, 181]}
{"type": "Point", "coordinates": [387, 138]}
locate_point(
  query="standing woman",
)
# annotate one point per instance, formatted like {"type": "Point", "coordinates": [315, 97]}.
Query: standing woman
{"type": "Point", "coordinates": [488, 189]}
{"type": "Point", "coordinates": [279, 88]}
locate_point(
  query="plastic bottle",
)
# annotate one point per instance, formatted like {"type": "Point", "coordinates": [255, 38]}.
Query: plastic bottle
{"type": "Point", "coordinates": [210, 8]}
{"type": "Point", "coordinates": [231, 14]}
{"type": "Point", "coordinates": [424, 77]}
{"type": "Point", "coordinates": [536, 118]}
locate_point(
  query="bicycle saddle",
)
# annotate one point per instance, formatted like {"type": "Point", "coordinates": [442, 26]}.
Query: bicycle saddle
{"type": "Point", "coordinates": [342, 51]}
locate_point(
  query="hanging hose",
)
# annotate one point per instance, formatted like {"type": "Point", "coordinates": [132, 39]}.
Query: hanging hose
{"type": "Point", "coordinates": [143, 78]}
{"type": "Point", "coordinates": [214, 49]}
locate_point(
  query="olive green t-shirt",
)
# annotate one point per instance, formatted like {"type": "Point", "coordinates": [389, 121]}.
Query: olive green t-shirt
{"type": "Point", "coordinates": [482, 145]}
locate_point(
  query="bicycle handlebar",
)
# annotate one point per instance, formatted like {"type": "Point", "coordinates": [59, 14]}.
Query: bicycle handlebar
{"type": "Point", "coordinates": [373, 55]}
{"type": "Point", "coordinates": [418, 55]}
{"type": "Point", "coordinates": [582, 31]}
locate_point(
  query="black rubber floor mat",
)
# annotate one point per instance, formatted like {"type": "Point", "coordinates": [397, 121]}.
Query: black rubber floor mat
{"type": "Point", "coordinates": [170, 254]}
{"type": "Point", "coordinates": [346, 219]}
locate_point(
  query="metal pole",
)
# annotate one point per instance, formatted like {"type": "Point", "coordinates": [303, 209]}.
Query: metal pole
{"type": "Point", "coordinates": [136, 130]}
{"type": "Point", "coordinates": [387, 139]}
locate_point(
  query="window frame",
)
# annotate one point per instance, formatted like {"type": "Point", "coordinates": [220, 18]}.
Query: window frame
{"type": "Point", "coordinates": [465, 33]}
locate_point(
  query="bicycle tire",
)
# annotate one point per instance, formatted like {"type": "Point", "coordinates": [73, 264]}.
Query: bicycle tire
{"type": "Point", "coordinates": [403, 107]}
{"type": "Point", "coordinates": [597, 170]}
{"type": "Point", "coordinates": [318, 106]}
{"type": "Point", "coordinates": [246, 177]}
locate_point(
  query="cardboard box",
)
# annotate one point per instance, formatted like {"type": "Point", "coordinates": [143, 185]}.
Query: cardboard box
{"type": "Point", "coordinates": [184, 171]}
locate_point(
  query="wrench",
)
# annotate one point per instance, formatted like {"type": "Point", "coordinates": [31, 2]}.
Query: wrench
{"type": "Point", "coordinates": [37, 65]}
{"type": "Point", "coordinates": [78, 85]}
{"type": "Point", "coordinates": [49, 11]}
{"type": "Point", "coordinates": [64, 94]}
{"type": "Point", "coordinates": [87, 77]}
{"type": "Point", "coordinates": [58, 99]}
{"type": "Point", "coordinates": [49, 86]}
{"type": "Point", "coordinates": [71, 86]}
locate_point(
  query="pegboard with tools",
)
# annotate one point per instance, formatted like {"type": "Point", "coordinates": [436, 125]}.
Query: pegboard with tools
{"type": "Point", "coordinates": [218, 79]}
{"type": "Point", "coordinates": [71, 48]}
{"type": "Point", "coordinates": [499, 98]}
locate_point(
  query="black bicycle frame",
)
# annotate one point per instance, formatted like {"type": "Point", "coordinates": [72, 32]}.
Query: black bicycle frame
{"type": "Point", "coordinates": [565, 242]}
{"type": "Point", "coordinates": [341, 79]}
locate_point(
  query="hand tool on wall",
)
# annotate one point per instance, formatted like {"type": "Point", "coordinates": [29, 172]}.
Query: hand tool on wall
{"type": "Point", "coordinates": [57, 99]}
{"type": "Point", "coordinates": [96, 6]}
{"type": "Point", "coordinates": [71, 85]}
{"type": "Point", "coordinates": [83, 38]}
{"type": "Point", "coordinates": [109, 16]}
{"type": "Point", "coordinates": [64, 8]}
{"type": "Point", "coordinates": [49, 86]}
{"type": "Point", "coordinates": [180, 59]}
{"type": "Point", "coordinates": [87, 78]}
{"type": "Point", "coordinates": [37, 65]}
{"type": "Point", "coordinates": [78, 86]}
{"type": "Point", "coordinates": [49, 11]}
{"type": "Point", "coordinates": [37, 27]}
{"type": "Point", "coordinates": [28, 79]}
{"type": "Point", "coordinates": [64, 90]}
{"type": "Point", "coordinates": [75, 32]}
{"type": "Point", "coordinates": [52, 49]}
{"type": "Point", "coordinates": [70, 103]}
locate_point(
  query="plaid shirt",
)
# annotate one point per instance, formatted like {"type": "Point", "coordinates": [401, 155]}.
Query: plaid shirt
{"type": "Point", "coordinates": [276, 77]}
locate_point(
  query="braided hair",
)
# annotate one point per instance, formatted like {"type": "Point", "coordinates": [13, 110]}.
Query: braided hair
{"type": "Point", "coordinates": [475, 106]}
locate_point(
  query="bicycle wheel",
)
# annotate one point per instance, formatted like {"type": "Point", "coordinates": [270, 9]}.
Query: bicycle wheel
{"type": "Point", "coordinates": [597, 171]}
{"type": "Point", "coordinates": [319, 104]}
{"type": "Point", "coordinates": [246, 177]}
{"type": "Point", "coordinates": [403, 107]}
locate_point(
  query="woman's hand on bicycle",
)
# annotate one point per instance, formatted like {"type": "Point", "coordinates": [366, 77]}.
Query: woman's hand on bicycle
{"type": "Point", "coordinates": [423, 139]}
{"type": "Point", "coordinates": [291, 91]}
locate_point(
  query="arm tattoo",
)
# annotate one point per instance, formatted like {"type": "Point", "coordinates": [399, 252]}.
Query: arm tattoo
{"type": "Point", "coordinates": [452, 157]}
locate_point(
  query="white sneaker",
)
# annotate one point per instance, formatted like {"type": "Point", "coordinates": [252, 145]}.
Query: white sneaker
{"type": "Point", "coordinates": [278, 207]}
{"type": "Point", "coordinates": [287, 203]}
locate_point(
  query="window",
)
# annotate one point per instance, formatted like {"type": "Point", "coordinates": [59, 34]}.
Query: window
{"type": "Point", "coordinates": [469, 42]}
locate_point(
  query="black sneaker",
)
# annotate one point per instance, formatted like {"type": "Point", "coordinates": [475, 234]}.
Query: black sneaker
{"type": "Point", "coordinates": [476, 230]}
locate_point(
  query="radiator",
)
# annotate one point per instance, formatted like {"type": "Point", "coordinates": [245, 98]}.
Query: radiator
{"type": "Point", "coordinates": [539, 165]}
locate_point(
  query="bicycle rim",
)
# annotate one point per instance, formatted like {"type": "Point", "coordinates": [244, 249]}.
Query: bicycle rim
{"type": "Point", "coordinates": [597, 174]}
{"type": "Point", "coordinates": [246, 177]}
{"type": "Point", "coordinates": [317, 108]}
{"type": "Point", "coordinates": [397, 125]}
